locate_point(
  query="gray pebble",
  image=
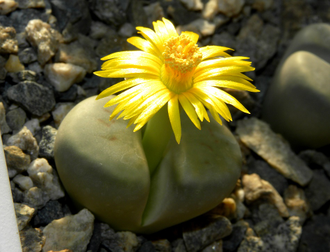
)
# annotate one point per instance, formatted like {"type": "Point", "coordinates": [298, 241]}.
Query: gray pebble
{"type": "Point", "coordinates": [16, 119]}
{"type": "Point", "coordinates": [34, 97]}
{"type": "Point", "coordinates": [198, 237]}
{"type": "Point", "coordinates": [46, 145]}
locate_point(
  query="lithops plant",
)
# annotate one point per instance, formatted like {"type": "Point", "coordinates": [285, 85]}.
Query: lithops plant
{"type": "Point", "coordinates": [173, 165]}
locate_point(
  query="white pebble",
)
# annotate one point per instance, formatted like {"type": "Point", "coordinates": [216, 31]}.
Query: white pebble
{"type": "Point", "coordinates": [63, 75]}
{"type": "Point", "coordinates": [24, 182]}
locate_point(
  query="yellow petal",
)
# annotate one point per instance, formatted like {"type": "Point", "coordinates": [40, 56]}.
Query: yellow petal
{"type": "Point", "coordinates": [126, 73]}
{"type": "Point", "coordinates": [222, 62]}
{"type": "Point", "coordinates": [189, 109]}
{"type": "Point", "coordinates": [174, 115]}
{"type": "Point", "coordinates": [124, 85]}
{"type": "Point", "coordinates": [227, 98]}
{"type": "Point", "coordinates": [199, 107]}
{"type": "Point", "coordinates": [170, 28]}
{"type": "Point", "coordinates": [194, 36]}
{"type": "Point", "coordinates": [143, 100]}
{"type": "Point", "coordinates": [210, 101]}
{"type": "Point", "coordinates": [215, 115]}
{"type": "Point", "coordinates": [159, 100]}
{"type": "Point", "coordinates": [161, 30]}
{"type": "Point", "coordinates": [135, 56]}
{"type": "Point", "coordinates": [227, 82]}
{"type": "Point", "coordinates": [214, 51]}
{"type": "Point", "coordinates": [215, 72]}
{"type": "Point", "coordinates": [151, 36]}
{"type": "Point", "coordinates": [118, 64]}
{"type": "Point", "coordinates": [144, 45]}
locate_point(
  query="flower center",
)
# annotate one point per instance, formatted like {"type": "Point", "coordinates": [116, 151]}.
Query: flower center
{"type": "Point", "coordinates": [181, 56]}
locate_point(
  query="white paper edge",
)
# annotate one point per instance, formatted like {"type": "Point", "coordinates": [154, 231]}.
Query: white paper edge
{"type": "Point", "coordinates": [9, 235]}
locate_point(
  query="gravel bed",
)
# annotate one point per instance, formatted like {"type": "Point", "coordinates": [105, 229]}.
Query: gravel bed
{"type": "Point", "coordinates": [49, 50]}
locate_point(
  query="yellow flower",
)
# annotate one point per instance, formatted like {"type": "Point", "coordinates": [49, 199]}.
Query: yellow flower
{"type": "Point", "coordinates": [172, 69]}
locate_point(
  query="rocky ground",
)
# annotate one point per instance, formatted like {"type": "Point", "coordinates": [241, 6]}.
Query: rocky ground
{"type": "Point", "coordinates": [48, 52]}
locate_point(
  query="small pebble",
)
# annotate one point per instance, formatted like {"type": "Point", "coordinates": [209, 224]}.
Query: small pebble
{"type": "Point", "coordinates": [63, 75]}
{"type": "Point", "coordinates": [60, 111]}
{"type": "Point", "coordinates": [71, 232]}
{"type": "Point", "coordinates": [4, 128]}
{"type": "Point", "coordinates": [7, 6]}
{"type": "Point", "coordinates": [230, 7]}
{"type": "Point", "coordinates": [43, 38]}
{"type": "Point", "coordinates": [26, 142]}
{"type": "Point", "coordinates": [16, 159]}
{"type": "Point", "coordinates": [13, 64]}
{"type": "Point", "coordinates": [23, 182]}
{"type": "Point", "coordinates": [44, 177]}
{"type": "Point", "coordinates": [24, 214]}
{"type": "Point", "coordinates": [33, 125]}
{"type": "Point", "coordinates": [296, 202]}
{"type": "Point", "coordinates": [8, 42]}
{"type": "Point", "coordinates": [32, 239]}
{"type": "Point", "coordinates": [254, 188]}
{"type": "Point", "coordinates": [46, 145]}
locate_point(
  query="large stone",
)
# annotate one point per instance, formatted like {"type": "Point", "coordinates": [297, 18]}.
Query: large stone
{"type": "Point", "coordinates": [258, 136]}
{"type": "Point", "coordinates": [297, 104]}
{"type": "Point", "coordinates": [102, 164]}
{"type": "Point", "coordinates": [35, 98]}
{"type": "Point", "coordinates": [71, 232]}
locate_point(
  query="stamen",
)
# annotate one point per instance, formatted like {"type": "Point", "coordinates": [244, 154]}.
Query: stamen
{"type": "Point", "coordinates": [181, 56]}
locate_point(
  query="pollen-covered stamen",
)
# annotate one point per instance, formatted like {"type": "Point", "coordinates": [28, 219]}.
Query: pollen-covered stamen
{"type": "Point", "coordinates": [181, 56]}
